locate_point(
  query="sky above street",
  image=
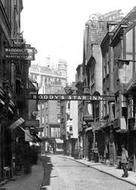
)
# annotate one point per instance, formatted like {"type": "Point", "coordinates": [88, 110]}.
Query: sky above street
{"type": "Point", "coordinates": [55, 27]}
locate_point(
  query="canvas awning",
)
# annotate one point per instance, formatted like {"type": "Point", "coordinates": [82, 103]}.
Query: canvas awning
{"type": "Point", "coordinates": [17, 123]}
{"type": "Point", "coordinates": [2, 102]}
{"type": "Point", "coordinates": [30, 137]}
{"type": "Point", "coordinates": [2, 93]}
{"type": "Point", "coordinates": [2, 96]}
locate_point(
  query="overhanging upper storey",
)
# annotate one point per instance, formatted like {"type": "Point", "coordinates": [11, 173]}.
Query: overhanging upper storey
{"type": "Point", "coordinates": [118, 34]}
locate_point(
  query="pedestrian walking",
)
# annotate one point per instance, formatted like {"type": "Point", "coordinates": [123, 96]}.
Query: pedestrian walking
{"type": "Point", "coordinates": [124, 161]}
{"type": "Point", "coordinates": [112, 151]}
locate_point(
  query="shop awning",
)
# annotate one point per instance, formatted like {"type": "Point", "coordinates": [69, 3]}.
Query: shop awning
{"type": "Point", "coordinates": [9, 108]}
{"type": "Point", "coordinates": [11, 103]}
{"type": "Point", "coordinates": [2, 96]}
{"type": "Point", "coordinates": [2, 93]}
{"type": "Point", "coordinates": [59, 140]}
{"type": "Point", "coordinates": [2, 102]}
{"type": "Point", "coordinates": [28, 136]}
{"type": "Point", "coordinates": [17, 123]}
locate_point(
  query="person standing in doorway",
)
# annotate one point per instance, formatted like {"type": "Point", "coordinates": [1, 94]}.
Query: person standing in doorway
{"type": "Point", "coordinates": [124, 161]}
{"type": "Point", "coordinates": [96, 153]}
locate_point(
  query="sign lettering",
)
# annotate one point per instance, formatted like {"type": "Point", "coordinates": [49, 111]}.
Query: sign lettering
{"type": "Point", "coordinates": [70, 97]}
{"type": "Point", "coordinates": [26, 53]}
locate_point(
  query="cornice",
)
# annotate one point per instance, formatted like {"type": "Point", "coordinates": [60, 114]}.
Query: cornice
{"type": "Point", "coordinates": [117, 34]}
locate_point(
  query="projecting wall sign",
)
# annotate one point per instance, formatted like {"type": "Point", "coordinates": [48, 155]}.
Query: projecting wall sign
{"type": "Point", "coordinates": [20, 53]}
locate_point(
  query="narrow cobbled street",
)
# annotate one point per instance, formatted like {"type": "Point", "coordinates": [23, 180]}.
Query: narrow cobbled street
{"type": "Point", "coordinates": [61, 173]}
{"type": "Point", "coordinates": [57, 172]}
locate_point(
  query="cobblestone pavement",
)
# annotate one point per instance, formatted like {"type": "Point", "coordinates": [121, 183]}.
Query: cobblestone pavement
{"type": "Point", "coordinates": [67, 174]}
{"type": "Point", "coordinates": [111, 170]}
{"type": "Point", "coordinates": [57, 172]}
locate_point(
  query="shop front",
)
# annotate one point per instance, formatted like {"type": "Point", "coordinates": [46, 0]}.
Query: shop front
{"type": "Point", "coordinates": [7, 113]}
{"type": "Point", "coordinates": [132, 143]}
{"type": "Point", "coordinates": [105, 139]}
{"type": "Point", "coordinates": [120, 132]}
{"type": "Point", "coordinates": [131, 106]}
{"type": "Point", "coordinates": [89, 143]}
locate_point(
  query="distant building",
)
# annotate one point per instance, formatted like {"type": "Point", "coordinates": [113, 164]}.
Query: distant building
{"type": "Point", "coordinates": [50, 81]}
{"type": "Point", "coordinates": [72, 125]}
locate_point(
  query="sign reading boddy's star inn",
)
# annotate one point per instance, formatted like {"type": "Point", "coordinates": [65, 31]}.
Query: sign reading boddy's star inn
{"type": "Point", "coordinates": [69, 97]}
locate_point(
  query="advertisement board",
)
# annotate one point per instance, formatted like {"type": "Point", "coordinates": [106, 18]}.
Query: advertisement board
{"type": "Point", "coordinates": [25, 53]}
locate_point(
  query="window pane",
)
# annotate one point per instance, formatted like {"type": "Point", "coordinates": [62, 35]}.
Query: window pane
{"type": "Point", "coordinates": [125, 73]}
{"type": "Point", "coordinates": [129, 43]}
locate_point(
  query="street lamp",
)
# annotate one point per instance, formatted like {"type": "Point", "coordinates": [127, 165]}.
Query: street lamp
{"type": "Point", "coordinates": [37, 90]}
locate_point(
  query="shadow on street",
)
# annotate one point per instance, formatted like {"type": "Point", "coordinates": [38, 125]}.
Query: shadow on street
{"type": "Point", "coordinates": [46, 160]}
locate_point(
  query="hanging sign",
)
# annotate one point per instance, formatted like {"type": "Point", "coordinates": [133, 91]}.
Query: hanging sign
{"type": "Point", "coordinates": [69, 97]}
{"type": "Point", "coordinates": [25, 53]}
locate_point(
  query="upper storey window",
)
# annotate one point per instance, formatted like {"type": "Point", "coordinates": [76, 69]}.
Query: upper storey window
{"type": "Point", "coordinates": [129, 44]}
{"type": "Point", "coordinates": [126, 72]}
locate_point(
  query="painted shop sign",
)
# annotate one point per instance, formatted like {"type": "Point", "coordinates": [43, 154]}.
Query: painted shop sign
{"type": "Point", "coordinates": [68, 97]}
{"type": "Point", "coordinates": [20, 53]}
